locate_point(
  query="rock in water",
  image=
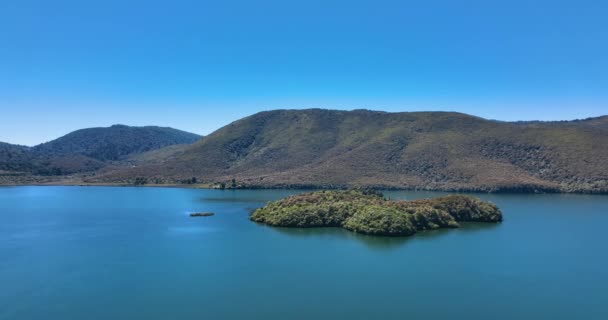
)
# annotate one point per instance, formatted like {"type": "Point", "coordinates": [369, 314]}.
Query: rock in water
{"type": "Point", "coordinates": [202, 214]}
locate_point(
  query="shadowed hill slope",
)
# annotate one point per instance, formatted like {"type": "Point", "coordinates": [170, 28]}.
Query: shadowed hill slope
{"type": "Point", "coordinates": [14, 157]}
{"type": "Point", "coordinates": [426, 150]}
{"type": "Point", "coordinates": [115, 142]}
{"type": "Point", "coordinates": [90, 149]}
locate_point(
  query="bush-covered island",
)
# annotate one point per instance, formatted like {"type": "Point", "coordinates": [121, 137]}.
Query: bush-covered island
{"type": "Point", "coordinates": [368, 212]}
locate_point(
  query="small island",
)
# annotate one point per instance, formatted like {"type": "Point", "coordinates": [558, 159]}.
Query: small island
{"type": "Point", "coordinates": [202, 214]}
{"type": "Point", "coordinates": [368, 212]}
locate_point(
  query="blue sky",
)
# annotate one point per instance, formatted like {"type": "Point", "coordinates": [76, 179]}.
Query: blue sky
{"type": "Point", "coordinates": [198, 65]}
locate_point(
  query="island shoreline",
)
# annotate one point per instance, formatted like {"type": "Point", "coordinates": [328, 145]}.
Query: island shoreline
{"type": "Point", "coordinates": [370, 212]}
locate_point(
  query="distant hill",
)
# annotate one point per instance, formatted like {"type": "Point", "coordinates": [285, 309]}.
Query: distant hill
{"type": "Point", "coordinates": [90, 149]}
{"type": "Point", "coordinates": [424, 150]}
{"type": "Point", "coordinates": [161, 155]}
{"type": "Point", "coordinates": [14, 157]}
{"type": "Point", "coordinates": [599, 122]}
{"type": "Point", "coordinates": [116, 142]}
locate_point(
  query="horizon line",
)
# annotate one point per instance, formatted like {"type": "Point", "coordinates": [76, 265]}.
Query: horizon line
{"type": "Point", "coordinates": [305, 109]}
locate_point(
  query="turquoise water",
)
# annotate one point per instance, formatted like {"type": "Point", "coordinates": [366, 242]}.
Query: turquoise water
{"type": "Point", "coordinates": [127, 253]}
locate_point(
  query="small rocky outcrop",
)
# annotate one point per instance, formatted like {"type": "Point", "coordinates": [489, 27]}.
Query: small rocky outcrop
{"type": "Point", "coordinates": [202, 214]}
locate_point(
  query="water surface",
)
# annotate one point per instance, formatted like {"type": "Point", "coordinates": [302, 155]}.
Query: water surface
{"type": "Point", "coordinates": [124, 253]}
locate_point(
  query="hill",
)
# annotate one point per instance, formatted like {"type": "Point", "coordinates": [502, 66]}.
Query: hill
{"type": "Point", "coordinates": [599, 122]}
{"type": "Point", "coordinates": [115, 142]}
{"type": "Point", "coordinates": [14, 157]}
{"type": "Point", "coordinates": [88, 150]}
{"type": "Point", "coordinates": [411, 150]}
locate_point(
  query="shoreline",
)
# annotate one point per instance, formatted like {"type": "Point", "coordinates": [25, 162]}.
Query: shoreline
{"type": "Point", "coordinates": [211, 186]}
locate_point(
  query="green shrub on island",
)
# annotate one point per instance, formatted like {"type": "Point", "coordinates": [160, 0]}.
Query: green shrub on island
{"type": "Point", "coordinates": [369, 212]}
{"type": "Point", "coordinates": [380, 220]}
{"type": "Point", "coordinates": [466, 208]}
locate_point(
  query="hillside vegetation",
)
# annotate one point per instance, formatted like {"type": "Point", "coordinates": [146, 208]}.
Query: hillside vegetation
{"type": "Point", "coordinates": [115, 142]}
{"type": "Point", "coordinates": [369, 213]}
{"type": "Point", "coordinates": [412, 150]}
{"type": "Point", "coordinates": [89, 150]}
{"type": "Point", "coordinates": [14, 157]}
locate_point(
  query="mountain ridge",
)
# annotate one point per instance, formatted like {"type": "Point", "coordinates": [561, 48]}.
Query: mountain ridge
{"type": "Point", "coordinates": [406, 150]}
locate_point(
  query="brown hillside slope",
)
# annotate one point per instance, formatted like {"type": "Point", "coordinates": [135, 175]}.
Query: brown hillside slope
{"type": "Point", "coordinates": [425, 150]}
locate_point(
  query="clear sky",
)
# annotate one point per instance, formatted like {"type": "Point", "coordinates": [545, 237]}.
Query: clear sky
{"type": "Point", "coordinates": [198, 65]}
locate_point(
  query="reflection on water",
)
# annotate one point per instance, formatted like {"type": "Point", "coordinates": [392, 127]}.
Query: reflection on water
{"type": "Point", "coordinates": [260, 197]}
{"type": "Point", "coordinates": [330, 233]}
{"type": "Point", "coordinates": [478, 226]}
{"type": "Point", "coordinates": [234, 200]}
{"type": "Point", "coordinates": [376, 242]}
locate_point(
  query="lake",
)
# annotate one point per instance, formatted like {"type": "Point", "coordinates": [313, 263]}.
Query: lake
{"type": "Point", "coordinates": [134, 253]}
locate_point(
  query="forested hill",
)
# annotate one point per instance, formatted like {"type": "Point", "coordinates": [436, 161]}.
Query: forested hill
{"type": "Point", "coordinates": [426, 150]}
{"type": "Point", "coordinates": [115, 142]}
{"type": "Point", "coordinates": [88, 150]}
{"type": "Point", "coordinates": [14, 157]}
